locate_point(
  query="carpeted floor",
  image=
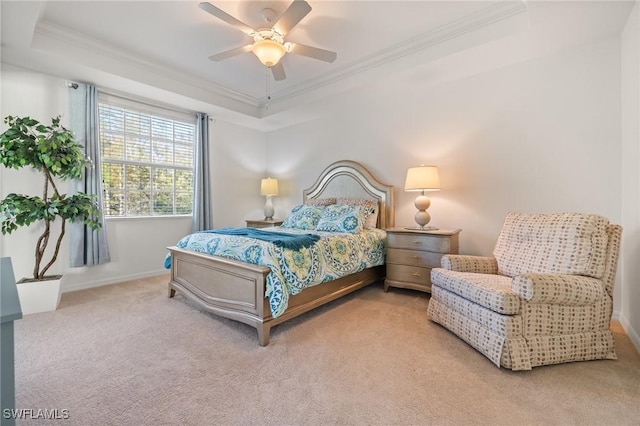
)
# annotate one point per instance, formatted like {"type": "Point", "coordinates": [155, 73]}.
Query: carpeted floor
{"type": "Point", "coordinates": [125, 354]}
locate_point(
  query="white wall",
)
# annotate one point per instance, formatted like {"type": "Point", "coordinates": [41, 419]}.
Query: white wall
{"type": "Point", "coordinates": [137, 246]}
{"type": "Point", "coordinates": [238, 165]}
{"type": "Point", "coordinates": [630, 267]}
{"type": "Point", "coordinates": [538, 136]}
{"type": "Point", "coordinates": [542, 135]}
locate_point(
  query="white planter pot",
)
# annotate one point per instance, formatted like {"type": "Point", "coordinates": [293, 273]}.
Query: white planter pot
{"type": "Point", "coordinates": [39, 296]}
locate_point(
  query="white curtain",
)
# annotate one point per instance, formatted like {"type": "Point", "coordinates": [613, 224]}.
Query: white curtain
{"type": "Point", "coordinates": [202, 217]}
{"type": "Point", "coordinates": [88, 246]}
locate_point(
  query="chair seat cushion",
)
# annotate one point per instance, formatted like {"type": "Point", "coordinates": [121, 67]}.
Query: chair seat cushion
{"type": "Point", "coordinates": [490, 291]}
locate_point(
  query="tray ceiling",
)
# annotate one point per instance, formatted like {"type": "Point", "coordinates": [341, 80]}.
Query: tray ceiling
{"type": "Point", "coordinates": [166, 44]}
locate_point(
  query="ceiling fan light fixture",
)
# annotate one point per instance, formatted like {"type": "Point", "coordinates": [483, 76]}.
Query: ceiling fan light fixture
{"type": "Point", "coordinates": [269, 52]}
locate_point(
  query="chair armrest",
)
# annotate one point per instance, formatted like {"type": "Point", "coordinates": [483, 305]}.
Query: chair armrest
{"type": "Point", "coordinates": [464, 263]}
{"type": "Point", "coordinates": [559, 289]}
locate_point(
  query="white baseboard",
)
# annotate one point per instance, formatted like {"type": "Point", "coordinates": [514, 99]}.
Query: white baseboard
{"type": "Point", "coordinates": [633, 334]}
{"type": "Point", "coordinates": [615, 316]}
{"type": "Point", "coordinates": [113, 280]}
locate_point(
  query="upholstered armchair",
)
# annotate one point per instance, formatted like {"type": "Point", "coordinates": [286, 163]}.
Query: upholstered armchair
{"type": "Point", "coordinates": [544, 297]}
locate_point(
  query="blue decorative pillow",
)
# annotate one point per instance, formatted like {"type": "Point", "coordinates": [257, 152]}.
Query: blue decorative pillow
{"type": "Point", "coordinates": [342, 218]}
{"type": "Point", "coordinates": [370, 208]}
{"type": "Point", "coordinates": [303, 217]}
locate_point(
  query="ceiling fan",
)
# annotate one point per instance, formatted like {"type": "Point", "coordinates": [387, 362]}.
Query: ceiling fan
{"type": "Point", "coordinates": [268, 43]}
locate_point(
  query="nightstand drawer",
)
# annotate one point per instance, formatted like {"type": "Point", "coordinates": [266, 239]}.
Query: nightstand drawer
{"type": "Point", "coordinates": [434, 243]}
{"type": "Point", "coordinates": [411, 274]}
{"type": "Point", "coordinates": [413, 257]}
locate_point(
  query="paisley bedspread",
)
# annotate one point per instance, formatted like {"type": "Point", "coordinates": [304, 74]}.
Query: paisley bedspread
{"type": "Point", "coordinates": [333, 256]}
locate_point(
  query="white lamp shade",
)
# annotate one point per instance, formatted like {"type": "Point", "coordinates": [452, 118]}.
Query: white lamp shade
{"type": "Point", "coordinates": [269, 186]}
{"type": "Point", "coordinates": [422, 178]}
{"type": "Point", "coordinates": [268, 51]}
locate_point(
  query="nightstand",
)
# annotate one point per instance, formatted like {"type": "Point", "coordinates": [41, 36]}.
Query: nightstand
{"type": "Point", "coordinates": [412, 253]}
{"type": "Point", "coordinates": [263, 223]}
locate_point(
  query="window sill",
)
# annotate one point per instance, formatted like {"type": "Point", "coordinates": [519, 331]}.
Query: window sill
{"type": "Point", "coordinates": [126, 218]}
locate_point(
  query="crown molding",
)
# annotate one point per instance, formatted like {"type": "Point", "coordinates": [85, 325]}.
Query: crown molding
{"type": "Point", "coordinates": [90, 52]}
{"type": "Point", "coordinates": [500, 11]}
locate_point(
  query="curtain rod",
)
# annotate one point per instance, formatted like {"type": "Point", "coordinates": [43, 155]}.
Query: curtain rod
{"type": "Point", "coordinates": [142, 100]}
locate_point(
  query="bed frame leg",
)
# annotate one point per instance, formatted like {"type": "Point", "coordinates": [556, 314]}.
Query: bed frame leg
{"type": "Point", "coordinates": [263, 334]}
{"type": "Point", "coordinates": [172, 292]}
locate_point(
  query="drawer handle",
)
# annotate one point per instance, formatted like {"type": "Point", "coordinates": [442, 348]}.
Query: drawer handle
{"type": "Point", "coordinates": [417, 241]}
{"type": "Point", "coordinates": [416, 257]}
{"type": "Point", "coordinates": [416, 274]}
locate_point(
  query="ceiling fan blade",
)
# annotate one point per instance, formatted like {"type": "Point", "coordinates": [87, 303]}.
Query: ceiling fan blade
{"type": "Point", "coordinates": [313, 52]}
{"type": "Point", "coordinates": [290, 18]}
{"type": "Point", "coordinates": [230, 53]}
{"type": "Point", "coordinates": [278, 72]}
{"type": "Point", "coordinates": [221, 14]}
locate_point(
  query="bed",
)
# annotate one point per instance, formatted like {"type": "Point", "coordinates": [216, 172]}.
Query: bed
{"type": "Point", "coordinates": [237, 290]}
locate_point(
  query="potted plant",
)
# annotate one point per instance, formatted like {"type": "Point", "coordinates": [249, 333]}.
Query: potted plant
{"type": "Point", "coordinates": [52, 151]}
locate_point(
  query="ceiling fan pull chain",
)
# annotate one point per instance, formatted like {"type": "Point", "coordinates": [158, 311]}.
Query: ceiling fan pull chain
{"type": "Point", "coordinates": [268, 88]}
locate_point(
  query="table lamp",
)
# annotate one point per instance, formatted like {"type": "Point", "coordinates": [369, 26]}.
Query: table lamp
{"type": "Point", "coordinates": [422, 178]}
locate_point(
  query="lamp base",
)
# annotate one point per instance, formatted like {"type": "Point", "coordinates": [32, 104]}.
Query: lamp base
{"type": "Point", "coordinates": [422, 216]}
{"type": "Point", "coordinates": [268, 209]}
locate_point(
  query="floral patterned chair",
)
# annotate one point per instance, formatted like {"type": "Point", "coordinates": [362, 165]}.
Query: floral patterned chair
{"type": "Point", "coordinates": [544, 297]}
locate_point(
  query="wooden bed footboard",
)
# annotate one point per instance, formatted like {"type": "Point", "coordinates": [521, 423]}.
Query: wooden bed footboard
{"type": "Point", "coordinates": [236, 290]}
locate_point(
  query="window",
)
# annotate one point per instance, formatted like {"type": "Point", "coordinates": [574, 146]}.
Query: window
{"type": "Point", "coordinates": [147, 159]}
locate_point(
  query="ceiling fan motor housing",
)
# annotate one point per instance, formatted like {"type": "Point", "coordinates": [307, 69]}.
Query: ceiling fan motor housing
{"type": "Point", "coordinates": [268, 34]}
